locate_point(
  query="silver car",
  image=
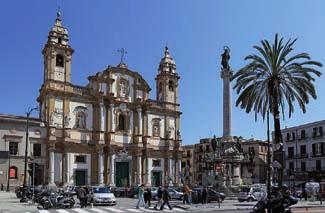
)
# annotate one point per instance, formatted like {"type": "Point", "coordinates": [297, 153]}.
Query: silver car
{"type": "Point", "coordinates": [252, 193]}
{"type": "Point", "coordinates": [175, 194]}
{"type": "Point", "coordinates": [103, 195]}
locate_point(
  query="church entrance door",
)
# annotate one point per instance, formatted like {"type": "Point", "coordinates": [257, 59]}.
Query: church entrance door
{"type": "Point", "coordinates": [122, 174]}
{"type": "Point", "coordinates": [156, 178]}
{"type": "Point", "coordinates": [80, 177]}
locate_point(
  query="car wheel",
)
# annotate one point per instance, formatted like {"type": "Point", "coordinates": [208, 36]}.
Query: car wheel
{"type": "Point", "coordinates": [250, 199]}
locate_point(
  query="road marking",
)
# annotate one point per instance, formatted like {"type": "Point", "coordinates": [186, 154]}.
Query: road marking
{"type": "Point", "coordinates": [62, 211]}
{"type": "Point", "coordinates": [43, 211]}
{"type": "Point", "coordinates": [179, 210]}
{"type": "Point", "coordinates": [114, 210]}
{"type": "Point", "coordinates": [309, 211]}
{"type": "Point", "coordinates": [80, 210]}
{"type": "Point", "coordinates": [149, 210]}
{"type": "Point", "coordinates": [97, 210]}
{"type": "Point", "coordinates": [134, 210]}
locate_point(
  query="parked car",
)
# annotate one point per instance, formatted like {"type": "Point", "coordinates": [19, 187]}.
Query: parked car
{"type": "Point", "coordinates": [103, 195]}
{"type": "Point", "coordinates": [175, 194]}
{"type": "Point", "coordinates": [212, 195]}
{"type": "Point", "coordinates": [252, 193]}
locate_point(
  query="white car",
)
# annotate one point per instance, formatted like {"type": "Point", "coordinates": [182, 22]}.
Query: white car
{"type": "Point", "coordinates": [103, 195]}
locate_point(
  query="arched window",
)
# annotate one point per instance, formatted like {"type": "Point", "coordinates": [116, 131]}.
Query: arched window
{"type": "Point", "coordinates": [59, 61]}
{"type": "Point", "coordinates": [121, 122]}
{"type": "Point", "coordinates": [13, 172]}
{"type": "Point", "coordinates": [171, 86]}
{"type": "Point", "coordinates": [80, 120]}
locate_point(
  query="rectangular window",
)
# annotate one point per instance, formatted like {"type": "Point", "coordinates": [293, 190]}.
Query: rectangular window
{"type": "Point", "coordinates": [288, 136]}
{"type": "Point", "coordinates": [251, 150]}
{"type": "Point", "coordinates": [320, 130]}
{"type": "Point", "coordinates": [303, 134]}
{"type": "Point", "coordinates": [291, 152]}
{"type": "Point", "coordinates": [303, 166]}
{"type": "Point", "coordinates": [303, 150]}
{"type": "Point", "coordinates": [318, 165]}
{"type": "Point", "coordinates": [37, 150]}
{"type": "Point", "coordinates": [293, 136]}
{"type": "Point", "coordinates": [291, 166]}
{"type": "Point", "coordinates": [155, 163]}
{"type": "Point", "coordinates": [13, 148]}
{"type": "Point", "coordinates": [80, 159]}
{"type": "Point", "coordinates": [314, 132]}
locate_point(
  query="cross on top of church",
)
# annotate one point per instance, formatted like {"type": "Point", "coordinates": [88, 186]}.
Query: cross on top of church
{"type": "Point", "coordinates": [123, 53]}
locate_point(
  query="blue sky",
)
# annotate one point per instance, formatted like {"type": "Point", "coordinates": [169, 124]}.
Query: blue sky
{"type": "Point", "coordinates": [195, 31]}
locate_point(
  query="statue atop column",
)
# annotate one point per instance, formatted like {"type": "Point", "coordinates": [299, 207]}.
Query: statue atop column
{"type": "Point", "coordinates": [225, 58]}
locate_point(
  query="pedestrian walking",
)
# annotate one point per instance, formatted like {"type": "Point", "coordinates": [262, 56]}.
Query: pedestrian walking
{"type": "Point", "coordinates": [81, 195]}
{"type": "Point", "coordinates": [165, 198]}
{"type": "Point", "coordinates": [159, 196]}
{"type": "Point", "coordinates": [1, 186]}
{"type": "Point", "coordinates": [140, 196]}
{"type": "Point", "coordinates": [147, 197]}
{"type": "Point", "coordinates": [187, 192]}
{"type": "Point", "coordinates": [204, 195]}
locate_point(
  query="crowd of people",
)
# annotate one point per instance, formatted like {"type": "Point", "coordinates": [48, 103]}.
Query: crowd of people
{"type": "Point", "coordinates": [144, 197]}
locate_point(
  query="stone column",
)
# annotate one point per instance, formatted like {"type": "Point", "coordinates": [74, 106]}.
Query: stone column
{"type": "Point", "coordinates": [112, 121]}
{"type": "Point", "coordinates": [51, 168]}
{"type": "Point", "coordinates": [112, 170]}
{"type": "Point", "coordinates": [147, 181]}
{"type": "Point", "coordinates": [102, 116]}
{"type": "Point", "coordinates": [178, 171]}
{"type": "Point", "coordinates": [226, 74]}
{"type": "Point", "coordinates": [170, 171]}
{"type": "Point", "coordinates": [65, 168]}
{"type": "Point", "coordinates": [100, 166]}
{"type": "Point", "coordinates": [236, 174]}
{"type": "Point", "coordinates": [140, 121]}
{"type": "Point", "coordinates": [139, 169]}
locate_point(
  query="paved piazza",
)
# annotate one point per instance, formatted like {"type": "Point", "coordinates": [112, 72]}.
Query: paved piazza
{"type": "Point", "coordinates": [9, 203]}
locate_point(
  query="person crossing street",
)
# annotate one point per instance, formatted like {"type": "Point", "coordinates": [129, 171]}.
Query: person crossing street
{"type": "Point", "coordinates": [165, 197]}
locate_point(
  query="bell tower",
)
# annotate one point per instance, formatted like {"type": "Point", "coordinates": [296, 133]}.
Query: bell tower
{"type": "Point", "coordinates": [57, 54]}
{"type": "Point", "coordinates": [167, 80]}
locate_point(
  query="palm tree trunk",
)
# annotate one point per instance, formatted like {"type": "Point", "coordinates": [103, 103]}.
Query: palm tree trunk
{"type": "Point", "coordinates": [278, 154]}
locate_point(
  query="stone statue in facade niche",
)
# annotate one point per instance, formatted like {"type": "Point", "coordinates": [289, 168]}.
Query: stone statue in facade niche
{"type": "Point", "coordinates": [81, 120]}
{"type": "Point", "coordinates": [123, 87]}
{"type": "Point", "coordinates": [225, 58]}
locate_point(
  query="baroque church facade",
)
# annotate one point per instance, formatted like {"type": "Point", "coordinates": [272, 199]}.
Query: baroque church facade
{"type": "Point", "coordinates": [109, 131]}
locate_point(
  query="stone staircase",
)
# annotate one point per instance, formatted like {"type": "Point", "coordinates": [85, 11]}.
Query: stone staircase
{"type": "Point", "coordinates": [230, 192]}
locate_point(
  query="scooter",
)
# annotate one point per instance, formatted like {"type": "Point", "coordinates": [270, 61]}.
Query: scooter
{"type": "Point", "coordinates": [263, 205]}
{"type": "Point", "coordinates": [56, 200]}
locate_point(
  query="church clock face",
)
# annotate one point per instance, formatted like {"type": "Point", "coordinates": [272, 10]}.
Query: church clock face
{"type": "Point", "coordinates": [59, 75]}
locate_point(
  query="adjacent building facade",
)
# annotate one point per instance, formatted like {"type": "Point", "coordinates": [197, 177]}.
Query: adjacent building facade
{"type": "Point", "coordinates": [257, 154]}
{"type": "Point", "coordinates": [12, 145]}
{"type": "Point", "coordinates": [304, 148]}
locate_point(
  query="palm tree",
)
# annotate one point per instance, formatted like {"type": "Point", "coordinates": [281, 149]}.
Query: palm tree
{"type": "Point", "coordinates": [274, 79]}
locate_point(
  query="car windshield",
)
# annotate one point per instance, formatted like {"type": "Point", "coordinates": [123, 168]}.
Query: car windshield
{"type": "Point", "coordinates": [101, 190]}
{"type": "Point", "coordinates": [245, 189]}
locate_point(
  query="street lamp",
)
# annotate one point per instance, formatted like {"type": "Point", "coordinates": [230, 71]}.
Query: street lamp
{"type": "Point", "coordinates": [24, 198]}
